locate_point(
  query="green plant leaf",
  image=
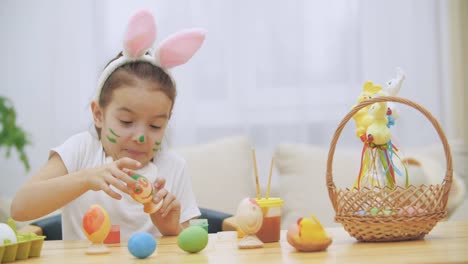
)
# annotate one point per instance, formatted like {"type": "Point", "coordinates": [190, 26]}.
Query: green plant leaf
{"type": "Point", "coordinates": [12, 136]}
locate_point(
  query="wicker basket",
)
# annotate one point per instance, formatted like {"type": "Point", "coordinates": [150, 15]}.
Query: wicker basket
{"type": "Point", "coordinates": [390, 224]}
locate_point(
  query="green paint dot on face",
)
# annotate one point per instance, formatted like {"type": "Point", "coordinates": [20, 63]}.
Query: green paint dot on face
{"type": "Point", "coordinates": [141, 139]}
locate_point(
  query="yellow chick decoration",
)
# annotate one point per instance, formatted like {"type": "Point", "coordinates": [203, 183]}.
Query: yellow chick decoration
{"type": "Point", "coordinates": [308, 235]}
{"type": "Point", "coordinates": [362, 117]}
{"type": "Point", "coordinates": [378, 132]}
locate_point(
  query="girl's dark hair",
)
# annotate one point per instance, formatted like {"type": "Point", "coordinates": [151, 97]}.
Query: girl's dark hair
{"type": "Point", "coordinates": [129, 74]}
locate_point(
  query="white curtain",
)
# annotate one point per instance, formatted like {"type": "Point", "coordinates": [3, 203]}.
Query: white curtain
{"type": "Point", "coordinates": [289, 71]}
{"type": "Point", "coordinates": [277, 71]}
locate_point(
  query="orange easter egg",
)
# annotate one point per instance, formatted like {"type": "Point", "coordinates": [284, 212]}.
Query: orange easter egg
{"type": "Point", "coordinates": [144, 192]}
{"type": "Point", "coordinates": [96, 224]}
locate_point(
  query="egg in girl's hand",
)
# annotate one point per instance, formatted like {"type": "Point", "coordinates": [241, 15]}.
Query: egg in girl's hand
{"type": "Point", "coordinates": [96, 224]}
{"type": "Point", "coordinates": [144, 193]}
{"type": "Point", "coordinates": [193, 239]}
{"type": "Point", "coordinates": [7, 233]}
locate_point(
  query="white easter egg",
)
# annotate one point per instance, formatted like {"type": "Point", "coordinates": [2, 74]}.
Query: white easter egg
{"type": "Point", "coordinates": [7, 233]}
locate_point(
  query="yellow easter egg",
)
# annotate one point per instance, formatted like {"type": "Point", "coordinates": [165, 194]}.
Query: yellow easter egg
{"type": "Point", "coordinates": [96, 224]}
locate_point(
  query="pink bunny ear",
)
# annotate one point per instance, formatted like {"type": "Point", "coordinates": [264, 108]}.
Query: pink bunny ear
{"type": "Point", "coordinates": [140, 35]}
{"type": "Point", "coordinates": [178, 48]}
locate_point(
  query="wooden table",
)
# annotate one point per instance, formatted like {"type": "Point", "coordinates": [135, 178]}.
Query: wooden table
{"type": "Point", "coordinates": [446, 243]}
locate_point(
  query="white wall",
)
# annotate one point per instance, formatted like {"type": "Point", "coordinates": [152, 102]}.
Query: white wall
{"type": "Point", "coordinates": [49, 74]}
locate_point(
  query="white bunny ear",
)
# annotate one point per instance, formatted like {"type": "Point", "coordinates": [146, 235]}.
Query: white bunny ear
{"type": "Point", "coordinates": [178, 48]}
{"type": "Point", "coordinates": [140, 35]}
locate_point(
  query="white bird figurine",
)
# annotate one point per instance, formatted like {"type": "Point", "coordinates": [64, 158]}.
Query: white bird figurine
{"type": "Point", "coordinates": [249, 218]}
{"type": "Point", "coordinates": [392, 88]}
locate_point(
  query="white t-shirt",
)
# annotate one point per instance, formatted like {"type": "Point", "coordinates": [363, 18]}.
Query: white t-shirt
{"type": "Point", "coordinates": [83, 151]}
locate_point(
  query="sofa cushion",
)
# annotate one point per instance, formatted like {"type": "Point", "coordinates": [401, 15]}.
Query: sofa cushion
{"type": "Point", "coordinates": [221, 172]}
{"type": "Point", "coordinates": [301, 169]}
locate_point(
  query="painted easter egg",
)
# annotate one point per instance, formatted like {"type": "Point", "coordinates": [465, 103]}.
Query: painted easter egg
{"type": "Point", "coordinates": [144, 192]}
{"type": "Point", "coordinates": [7, 233]}
{"type": "Point", "coordinates": [96, 224]}
{"type": "Point", "coordinates": [411, 210]}
{"type": "Point", "coordinates": [141, 245]}
{"type": "Point", "coordinates": [193, 239]}
{"type": "Point", "coordinates": [377, 211]}
{"type": "Point", "coordinates": [360, 212]}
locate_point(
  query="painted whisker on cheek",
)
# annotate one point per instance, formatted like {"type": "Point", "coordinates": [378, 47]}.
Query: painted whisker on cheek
{"type": "Point", "coordinates": [157, 143]}
{"type": "Point", "coordinates": [113, 140]}
{"type": "Point", "coordinates": [113, 133]}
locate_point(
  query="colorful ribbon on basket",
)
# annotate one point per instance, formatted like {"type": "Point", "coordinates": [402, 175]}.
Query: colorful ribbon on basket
{"type": "Point", "coordinates": [377, 167]}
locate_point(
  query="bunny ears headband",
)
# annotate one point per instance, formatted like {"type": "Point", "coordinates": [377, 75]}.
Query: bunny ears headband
{"type": "Point", "coordinates": [177, 49]}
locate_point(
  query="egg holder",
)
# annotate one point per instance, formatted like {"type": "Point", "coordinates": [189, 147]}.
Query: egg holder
{"type": "Point", "coordinates": [391, 220]}
{"type": "Point", "coordinates": [202, 222]}
{"type": "Point", "coordinates": [29, 245]}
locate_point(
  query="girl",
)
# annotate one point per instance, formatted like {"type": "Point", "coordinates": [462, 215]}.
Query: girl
{"type": "Point", "coordinates": [132, 107]}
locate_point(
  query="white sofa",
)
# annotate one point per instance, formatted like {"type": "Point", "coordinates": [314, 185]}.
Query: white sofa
{"type": "Point", "coordinates": [222, 174]}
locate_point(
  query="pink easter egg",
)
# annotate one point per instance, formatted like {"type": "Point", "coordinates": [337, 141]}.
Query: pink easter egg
{"type": "Point", "coordinates": [411, 210]}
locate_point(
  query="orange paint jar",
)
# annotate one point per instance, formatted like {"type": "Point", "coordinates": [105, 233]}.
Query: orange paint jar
{"type": "Point", "coordinates": [271, 227]}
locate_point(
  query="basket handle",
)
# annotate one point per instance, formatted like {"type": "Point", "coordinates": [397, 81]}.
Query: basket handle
{"type": "Point", "coordinates": [448, 174]}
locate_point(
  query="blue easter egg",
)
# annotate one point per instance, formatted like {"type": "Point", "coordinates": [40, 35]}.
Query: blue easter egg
{"type": "Point", "coordinates": [361, 212]}
{"type": "Point", "coordinates": [141, 245]}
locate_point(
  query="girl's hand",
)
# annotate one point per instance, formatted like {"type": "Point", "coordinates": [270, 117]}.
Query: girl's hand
{"type": "Point", "coordinates": [170, 202]}
{"type": "Point", "coordinates": [100, 178]}
{"type": "Point", "coordinates": [167, 219]}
